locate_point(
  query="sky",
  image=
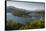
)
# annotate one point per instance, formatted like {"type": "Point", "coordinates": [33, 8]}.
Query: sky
{"type": "Point", "coordinates": [27, 6]}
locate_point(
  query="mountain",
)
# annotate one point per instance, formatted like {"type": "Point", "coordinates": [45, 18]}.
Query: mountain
{"type": "Point", "coordinates": [15, 10]}
{"type": "Point", "coordinates": [19, 11]}
{"type": "Point", "coordinates": [10, 8]}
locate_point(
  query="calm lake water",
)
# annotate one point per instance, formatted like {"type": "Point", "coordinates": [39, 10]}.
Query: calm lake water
{"type": "Point", "coordinates": [19, 19]}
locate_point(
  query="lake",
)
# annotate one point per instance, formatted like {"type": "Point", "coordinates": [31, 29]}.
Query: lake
{"type": "Point", "coordinates": [18, 19]}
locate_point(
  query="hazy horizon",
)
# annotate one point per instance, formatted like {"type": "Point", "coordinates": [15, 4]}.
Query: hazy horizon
{"type": "Point", "coordinates": [27, 6]}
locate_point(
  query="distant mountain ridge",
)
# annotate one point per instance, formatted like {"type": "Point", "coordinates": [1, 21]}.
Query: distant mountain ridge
{"type": "Point", "coordinates": [11, 8]}
{"type": "Point", "coordinates": [14, 10]}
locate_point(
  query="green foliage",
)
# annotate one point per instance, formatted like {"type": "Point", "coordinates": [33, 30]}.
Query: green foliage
{"type": "Point", "coordinates": [19, 13]}
{"type": "Point", "coordinates": [10, 24]}
{"type": "Point", "coordinates": [29, 25]}
{"type": "Point", "coordinates": [38, 23]}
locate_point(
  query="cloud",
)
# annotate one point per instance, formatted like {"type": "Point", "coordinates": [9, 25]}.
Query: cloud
{"type": "Point", "coordinates": [28, 6]}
